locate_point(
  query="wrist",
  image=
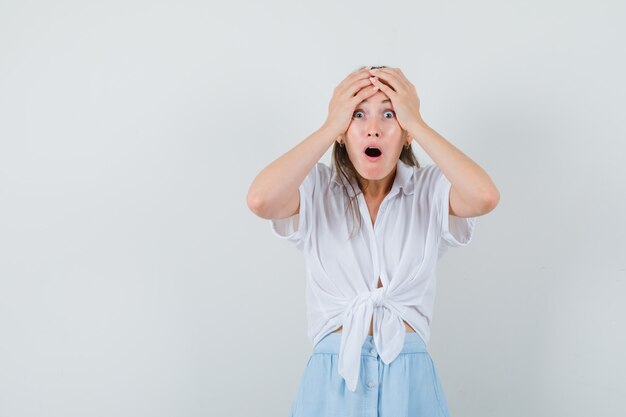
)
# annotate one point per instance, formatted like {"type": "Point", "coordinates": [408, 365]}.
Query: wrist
{"type": "Point", "coordinates": [329, 132]}
{"type": "Point", "coordinates": [417, 127]}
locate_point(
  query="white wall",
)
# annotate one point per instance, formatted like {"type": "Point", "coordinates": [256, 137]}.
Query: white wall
{"type": "Point", "coordinates": [134, 280]}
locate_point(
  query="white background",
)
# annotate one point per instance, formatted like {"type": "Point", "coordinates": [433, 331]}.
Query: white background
{"type": "Point", "coordinates": [135, 281]}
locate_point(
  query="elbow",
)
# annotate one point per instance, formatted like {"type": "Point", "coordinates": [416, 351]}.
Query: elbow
{"type": "Point", "coordinates": [259, 206]}
{"type": "Point", "coordinates": [491, 200]}
{"type": "Point", "coordinates": [255, 203]}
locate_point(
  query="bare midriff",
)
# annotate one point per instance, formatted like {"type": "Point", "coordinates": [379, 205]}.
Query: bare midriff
{"type": "Point", "coordinates": [371, 332]}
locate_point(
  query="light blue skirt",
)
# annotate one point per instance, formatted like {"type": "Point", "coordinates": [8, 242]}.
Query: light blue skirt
{"type": "Point", "coordinates": [407, 387]}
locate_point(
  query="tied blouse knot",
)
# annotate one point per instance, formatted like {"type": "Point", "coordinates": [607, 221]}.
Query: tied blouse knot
{"type": "Point", "coordinates": [388, 337]}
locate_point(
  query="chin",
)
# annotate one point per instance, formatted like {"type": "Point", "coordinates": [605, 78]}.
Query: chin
{"type": "Point", "coordinates": [374, 172]}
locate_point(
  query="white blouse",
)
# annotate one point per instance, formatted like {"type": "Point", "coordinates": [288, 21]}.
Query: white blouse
{"type": "Point", "coordinates": [412, 230]}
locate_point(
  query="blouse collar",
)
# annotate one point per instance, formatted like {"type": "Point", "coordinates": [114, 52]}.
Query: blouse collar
{"type": "Point", "coordinates": [402, 180]}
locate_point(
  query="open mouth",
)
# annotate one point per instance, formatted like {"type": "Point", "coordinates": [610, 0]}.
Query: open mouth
{"type": "Point", "coordinates": [373, 153]}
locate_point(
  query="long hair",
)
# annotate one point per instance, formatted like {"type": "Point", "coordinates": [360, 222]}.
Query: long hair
{"type": "Point", "coordinates": [343, 166]}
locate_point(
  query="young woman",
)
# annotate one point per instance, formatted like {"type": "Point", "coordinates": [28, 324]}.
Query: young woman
{"type": "Point", "coordinates": [372, 229]}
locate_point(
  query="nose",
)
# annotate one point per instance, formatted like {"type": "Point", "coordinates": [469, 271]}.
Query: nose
{"type": "Point", "coordinates": [372, 128]}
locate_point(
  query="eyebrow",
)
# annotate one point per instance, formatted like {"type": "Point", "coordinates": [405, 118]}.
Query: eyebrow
{"type": "Point", "coordinates": [384, 101]}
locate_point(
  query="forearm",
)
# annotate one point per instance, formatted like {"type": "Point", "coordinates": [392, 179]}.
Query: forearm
{"type": "Point", "coordinates": [467, 177]}
{"type": "Point", "coordinates": [279, 181]}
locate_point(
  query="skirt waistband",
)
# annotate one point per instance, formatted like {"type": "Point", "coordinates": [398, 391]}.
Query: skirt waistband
{"type": "Point", "coordinates": [413, 343]}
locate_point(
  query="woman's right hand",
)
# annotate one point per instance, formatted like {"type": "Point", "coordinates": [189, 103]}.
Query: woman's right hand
{"type": "Point", "coordinates": [355, 88]}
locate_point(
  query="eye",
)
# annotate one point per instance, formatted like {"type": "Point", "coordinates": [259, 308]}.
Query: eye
{"type": "Point", "coordinates": [393, 114]}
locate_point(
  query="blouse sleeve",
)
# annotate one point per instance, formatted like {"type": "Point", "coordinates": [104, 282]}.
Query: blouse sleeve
{"type": "Point", "coordinates": [296, 228]}
{"type": "Point", "coordinates": [455, 231]}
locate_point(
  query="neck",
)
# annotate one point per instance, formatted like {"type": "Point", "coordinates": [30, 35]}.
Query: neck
{"type": "Point", "coordinates": [377, 189]}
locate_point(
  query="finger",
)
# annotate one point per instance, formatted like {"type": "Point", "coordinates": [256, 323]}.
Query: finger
{"type": "Point", "coordinates": [385, 89]}
{"type": "Point", "coordinates": [358, 85]}
{"type": "Point", "coordinates": [351, 90]}
{"type": "Point", "coordinates": [391, 77]}
{"type": "Point", "coordinates": [388, 70]}
{"type": "Point", "coordinates": [365, 93]}
{"type": "Point", "coordinates": [359, 74]}
{"type": "Point", "coordinates": [400, 75]}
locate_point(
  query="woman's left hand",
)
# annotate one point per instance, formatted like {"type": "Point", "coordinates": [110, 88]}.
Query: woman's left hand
{"type": "Point", "coordinates": [404, 99]}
